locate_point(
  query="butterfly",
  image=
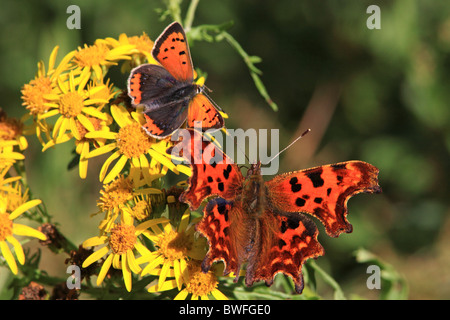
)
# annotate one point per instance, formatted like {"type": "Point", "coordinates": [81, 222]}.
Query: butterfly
{"type": "Point", "coordinates": [267, 224]}
{"type": "Point", "coordinates": [168, 92]}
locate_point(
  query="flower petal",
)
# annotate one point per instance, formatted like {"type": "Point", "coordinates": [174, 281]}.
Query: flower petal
{"type": "Point", "coordinates": [158, 260]}
{"type": "Point", "coordinates": [23, 230]}
{"type": "Point", "coordinates": [17, 248]}
{"type": "Point", "coordinates": [184, 169]}
{"type": "Point", "coordinates": [162, 277]}
{"type": "Point", "coordinates": [101, 135]}
{"type": "Point", "coordinates": [102, 150]}
{"type": "Point", "coordinates": [116, 169]}
{"type": "Point", "coordinates": [95, 113]}
{"type": "Point", "coordinates": [162, 159]}
{"type": "Point", "coordinates": [126, 272]}
{"type": "Point", "coordinates": [177, 271]}
{"type": "Point", "coordinates": [147, 224]}
{"type": "Point", "coordinates": [184, 220]}
{"type": "Point", "coordinates": [57, 126]}
{"type": "Point", "coordinates": [85, 122]}
{"type": "Point", "coordinates": [182, 295]}
{"type": "Point", "coordinates": [134, 267]}
{"type": "Point", "coordinates": [143, 251]}
{"type": "Point", "coordinates": [74, 129]}
{"type": "Point", "coordinates": [62, 64]}
{"type": "Point", "coordinates": [97, 255]}
{"type": "Point", "coordinates": [24, 207]}
{"type": "Point", "coordinates": [12, 155]}
{"type": "Point", "coordinates": [6, 252]}
{"type": "Point", "coordinates": [83, 163]}
{"type": "Point", "coordinates": [218, 295]}
{"type": "Point", "coordinates": [104, 270]}
{"type": "Point", "coordinates": [105, 165]}
{"type": "Point", "coordinates": [121, 115]}
{"type": "Point", "coordinates": [168, 285]}
{"type": "Point", "coordinates": [49, 114]}
{"type": "Point", "coordinates": [51, 62]}
{"type": "Point", "coordinates": [94, 241]}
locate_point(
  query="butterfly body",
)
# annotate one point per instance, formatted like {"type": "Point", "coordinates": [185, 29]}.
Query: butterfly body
{"type": "Point", "coordinates": [168, 92]}
{"type": "Point", "coordinates": [267, 224]}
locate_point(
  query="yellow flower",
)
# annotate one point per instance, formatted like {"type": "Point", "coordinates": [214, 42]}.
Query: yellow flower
{"type": "Point", "coordinates": [9, 211]}
{"type": "Point", "coordinates": [83, 144]}
{"type": "Point", "coordinates": [142, 52]}
{"type": "Point", "coordinates": [44, 83]}
{"type": "Point", "coordinates": [175, 247]}
{"type": "Point", "coordinates": [12, 130]}
{"type": "Point", "coordinates": [131, 145]}
{"type": "Point", "coordinates": [72, 104]}
{"type": "Point", "coordinates": [11, 135]}
{"type": "Point", "coordinates": [99, 56]}
{"type": "Point", "coordinates": [118, 245]}
{"type": "Point", "coordinates": [199, 284]}
{"type": "Point", "coordinates": [7, 154]}
{"type": "Point", "coordinates": [141, 205]}
{"type": "Point", "coordinates": [116, 195]}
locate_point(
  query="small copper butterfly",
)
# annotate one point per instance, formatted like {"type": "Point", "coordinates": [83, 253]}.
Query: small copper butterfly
{"type": "Point", "coordinates": [168, 92]}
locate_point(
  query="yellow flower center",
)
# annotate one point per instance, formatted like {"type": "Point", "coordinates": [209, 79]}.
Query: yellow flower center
{"type": "Point", "coordinates": [5, 226]}
{"type": "Point", "coordinates": [133, 141]}
{"type": "Point", "coordinates": [141, 210]}
{"type": "Point", "coordinates": [122, 238]}
{"type": "Point", "coordinates": [33, 95]}
{"type": "Point", "coordinates": [91, 55]}
{"type": "Point", "coordinates": [174, 245]}
{"type": "Point", "coordinates": [200, 283]}
{"type": "Point", "coordinates": [116, 194]}
{"type": "Point", "coordinates": [71, 104]}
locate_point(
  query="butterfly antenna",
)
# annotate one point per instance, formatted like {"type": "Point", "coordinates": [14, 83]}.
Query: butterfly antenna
{"type": "Point", "coordinates": [212, 101]}
{"type": "Point", "coordinates": [298, 138]}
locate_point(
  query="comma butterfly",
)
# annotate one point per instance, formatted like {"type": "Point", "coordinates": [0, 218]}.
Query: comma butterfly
{"type": "Point", "coordinates": [167, 92]}
{"type": "Point", "coordinates": [266, 224]}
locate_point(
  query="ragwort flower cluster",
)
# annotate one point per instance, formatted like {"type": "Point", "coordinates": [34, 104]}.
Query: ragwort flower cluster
{"type": "Point", "coordinates": [14, 198]}
{"type": "Point", "coordinates": [75, 102]}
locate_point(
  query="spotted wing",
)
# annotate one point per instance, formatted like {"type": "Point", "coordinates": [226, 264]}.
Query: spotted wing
{"type": "Point", "coordinates": [222, 225]}
{"type": "Point", "coordinates": [323, 192]}
{"type": "Point", "coordinates": [171, 50]}
{"type": "Point", "coordinates": [283, 242]}
{"type": "Point", "coordinates": [213, 173]}
{"type": "Point", "coordinates": [203, 112]}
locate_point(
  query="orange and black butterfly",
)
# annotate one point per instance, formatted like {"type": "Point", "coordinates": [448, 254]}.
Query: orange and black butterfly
{"type": "Point", "coordinates": [168, 92]}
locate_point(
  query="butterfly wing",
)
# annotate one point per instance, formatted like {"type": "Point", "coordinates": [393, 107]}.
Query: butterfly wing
{"type": "Point", "coordinates": [222, 226]}
{"type": "Point", "coordinates": [162, 122]}
{"type": "Point", "coordinates": [323, 192]}
{"type": "Point", "coordinates": [204, 111]}
{"type": "Point", "coordinates": [284, 241]}
{"type": "Point", "coordinates": [213, 173]}
{"type": "Point", "coordinates": [155, 88]}
{"type": "Point", "coordinates": [271, 244]}
{"type": "Point", "coordinates": [171, 50]}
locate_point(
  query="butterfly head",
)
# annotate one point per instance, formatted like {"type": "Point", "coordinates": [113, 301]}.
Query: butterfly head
{"type": "Point", "coordinates": [255, 170]}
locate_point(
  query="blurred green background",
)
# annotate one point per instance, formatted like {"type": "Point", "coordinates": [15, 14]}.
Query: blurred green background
{"type": "Point", "coordinates": [381, 96]}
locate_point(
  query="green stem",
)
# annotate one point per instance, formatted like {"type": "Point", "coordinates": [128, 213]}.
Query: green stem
{"type": "Point", "coordinates": [254, 72]}
{"type": "Point", "coordinates": [173, 7]}
{"type": "Point", "coordinates": [190, 14]}
{"type": "Point", "coordinates": [338, 293]}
